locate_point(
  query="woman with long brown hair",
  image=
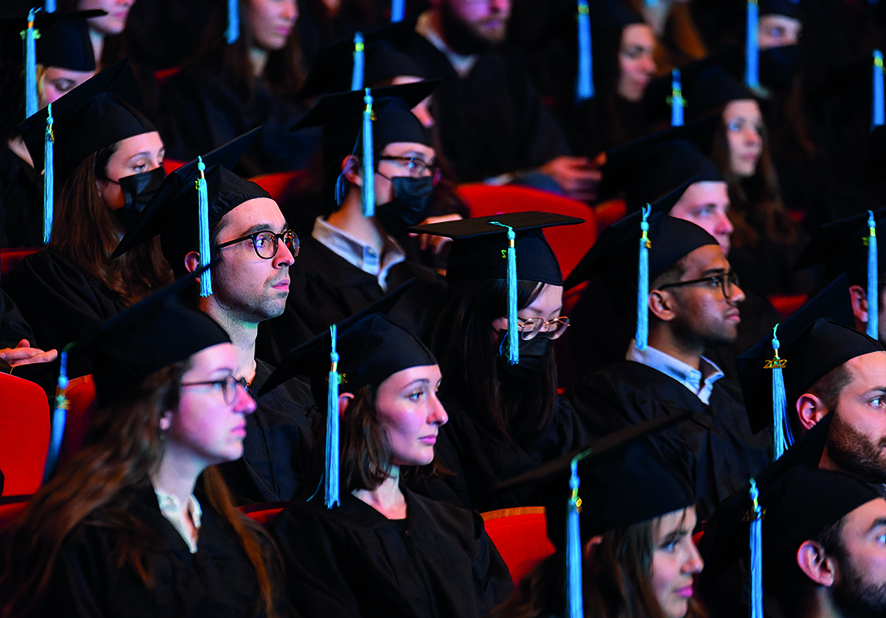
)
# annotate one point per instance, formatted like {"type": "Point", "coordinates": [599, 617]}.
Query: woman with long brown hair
{"type": "Point", "coordinates": [137, 519]}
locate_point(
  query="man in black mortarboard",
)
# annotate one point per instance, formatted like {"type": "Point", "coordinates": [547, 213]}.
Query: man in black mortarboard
{"type": "Point", "coordinates": [254, 249]}
{"type": "Point", "coordinates": [350, 260]}
{"type": "Point", "coordinates": [692, 306]}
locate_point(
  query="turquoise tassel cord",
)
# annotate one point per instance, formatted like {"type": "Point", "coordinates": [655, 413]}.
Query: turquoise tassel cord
{"type": "Point", "coordinates": [398, 10]}
{"type": "Point", "coordinates": [878, 114]}
{"type": "Point", "coordinates": [574, 600]}
{"type": "Point", "coordinates": [513, 329]}
{"type": "Point", "coordinates": [48, 176]}
{"type": "Point", "coordinates": [331, 474]}
{"type": "Point", "coordinates": [642, 334]}
{"type": "Point", "coordinates": [233, 31]}
{"type": "Point", "coordinates": [357, 73]}
{"type": "Point", "coordinates": [782, 436]}
{"type": "Point", "coordinates": [367, 191]}
{"type": "Point", "coordinates": [752, 50]}
{"type": "Point", "coordinates": [873, 330]}
{"type": "Point", "coordinates": [59, 417]}
{"type": "Point", "coordinates": [676, 100]}
{"type": "Point", "coordinates": [584, 89]}
{"type": "Point", "coordinates": [31, 35]}
{"type": "Point", "coordinates": [203, 229]}
{"type": "Point", "coordinates": [756, 566]}
{"type": "Point", "coordinates": [49, 6]}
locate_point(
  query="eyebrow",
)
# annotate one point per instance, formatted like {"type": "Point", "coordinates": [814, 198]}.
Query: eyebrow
{"type": "Point", "coordinates": [710, 272]}
{"type": "Point", "coordinates": [421, 381]}
{"type": "Point", "coordinates": [878, 523]}
{"type": "Point", "coordinates": [876, 389]}
{"type": "Point", "coordinates": [262, 227]}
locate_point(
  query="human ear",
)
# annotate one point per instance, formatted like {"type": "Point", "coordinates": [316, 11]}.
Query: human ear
{"type": "Point", "coordinates": [350, 169]}
{"type": "Point", "coordinates": [859, 301]}
{"type": "Point", "coordinates": [816, 564]}
{"type": "Point", "coordinates": [661, 304]}
{"type": "Point", "coordinates": [810, 410]}
{"type": "Point", "coordinates": [590, 550]}
{"type": "Point", "coordinates": [192, 261]}
{"type": "Point", "coordinates": [344, 400]}
{"type": "Point", "coordinates": [166, 420]}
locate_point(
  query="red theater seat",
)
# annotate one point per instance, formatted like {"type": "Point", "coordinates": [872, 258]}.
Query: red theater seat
{"type": "Point", "coordinates": [12, 257]}
{"type": "Point", "coordinates": [608, 213]}
{"type": "Point", "coordinates": [282, 185]}
{"type": "Point", "coordinates": [24, 435]}
{"type": "Point", "coordinates": [170, 165]}
{"type": "Point", "coordinates": [786, 304]}
{"type": "Point", "coordinates": [521, 537]}
{"type": "Point", "coordinates": [264, 513]}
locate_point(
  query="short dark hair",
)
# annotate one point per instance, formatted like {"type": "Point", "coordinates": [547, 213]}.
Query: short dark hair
{"type": "Point", "coordinates": [829, 387]}
{"type": "Point", "coordinates": [671, 275]}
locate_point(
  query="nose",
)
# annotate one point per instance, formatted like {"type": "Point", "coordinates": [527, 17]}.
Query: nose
{"type": "Point", "coordinates": [284, 257]}
{"type": "Point", "coordinates": [648, 64]}
{"type": "Point", "coordinates": [438, 414]}
{"type": "Point", "coordinates": [736, 295]}
{"type": "Point", "coordinates": [752, 136]}
{"type": "Point", "coordinates": [724, 225]}
{"type": "Point", "coordinates": [694, 562]}
{"type": "Point", "coordinates": [290, 11]}
{"type": "Point", "coordinates": [500, 6]}
{"type": "Point", "coordinates": [243, 402]}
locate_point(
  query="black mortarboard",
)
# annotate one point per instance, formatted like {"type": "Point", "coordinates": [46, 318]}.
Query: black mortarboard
{"type": "Point", "coordinates": [173, 210]}
{"type": "Point", "coordinates": [713, 89]}
{"type": "Point", "coordinates": [843, 244]}
{"type": "Point", "coordinates": [63, 39]}
{"type": "Point", "coordinates": [816, 339]}
{"type": "Point", "coordinates": [98, 113]}
{"type": "Point", "coordinates": [788, 8]}
{"type": "Point", "coordinates": [876, 155]}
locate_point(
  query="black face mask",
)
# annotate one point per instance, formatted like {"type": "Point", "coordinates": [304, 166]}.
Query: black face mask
{"type": "Point", "coordinates": [138, 190]}
{"type": "Point", "coordinates": [533, 356]}
{"type": "Point", "coordinates": [779, 65]}
{"type": "Point", "coordinates": [411, 204]}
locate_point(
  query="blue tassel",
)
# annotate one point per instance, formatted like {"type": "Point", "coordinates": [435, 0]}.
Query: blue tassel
{"type": "Point", "coordinates": [367, 191]}
{"type": "Point", "coordinates": [782, 436]}
{"type": "Point", "coordinates": [676, 99]}
{"type": "Point", "coordinates": [574, 601]}
{"type": "Point", "coordinates": [30, 36]}
{"type": "Point", "coordinates": [584, 89]}
{"type": "Point", "coordinates": [49, 6]}
{"type": "Point", "coordinates": [233, 31]}
{"type": "Point", "coordinates": [873, 330]}
{"type": "Point", "coordinates": [331, 474]}
{"type": "Point", "coordinates": [878, 115]}
{"type": "Point", "coordinates": [59, 416]}
{"type": "Point", "coordinates": [513, 330]}
{"type": "Point", "coordinates": [48, 175]}
{"type": "Point", "coordinates": [398, 10]}
{"type": "Point", "coordinates": [203, 229]}
{"type": "Point", "coordinates": [642, 335]}
{"type": "Point", "coordinates": [752, 49]}
{"type": "Point", "coordinates": [756, 583]}
{"type": "Point", "coordinates": [357, 73]}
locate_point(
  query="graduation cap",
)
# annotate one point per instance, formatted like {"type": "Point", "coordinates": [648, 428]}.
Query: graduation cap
{"type": "Point", "coordinates": [369, 58]}
{"type": "Point", "coordinates": [714, 88]}
{"type": "Point", "coordinates": [788, 8]}
{"type": "Point", "coordinates": [816, 339]}
{"type": "Point", "coordinates": [856, 82]}
{"type": "Point", "coordinates": [876, 156]}
{"type": "Point", "coordinates": [509, 246]}
{"type": "Point", "coordinates": [600, 26]}
{"type": "Point", "coordinates": [850, 245]}
{"type": "Point", "coordinates": [184, 216]}
{"type": "Point", "coordinates": [372, 119]}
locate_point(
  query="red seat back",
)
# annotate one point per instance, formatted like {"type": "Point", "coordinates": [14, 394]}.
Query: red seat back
{"type": "Point", "coordinates": [264, 513]}
{"type": "Point", "coordinates": [11, 257]}
{"type": "Point", "coordinates": [521, 537]}
{"type": "Point", "coordinates": [24, 435]}
{"type": "Point", "coordinates": [163, 75]}
{"type": "Point", "coordinates": [569, 242]}
{"type": "Point", "coordinates": [170, 165]}
{"type": "Point", "coordinates": [608, 213]}
{"type": "Point", "coordinates": [282, 185]}
{"type": "Point", "coordinates": [81, 395]}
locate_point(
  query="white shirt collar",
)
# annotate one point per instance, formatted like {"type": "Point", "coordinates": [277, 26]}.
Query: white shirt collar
{"type": "Point", "coordinates": [460, 62]}
{"type": "Point", "coordinates": [361, 255]}
{"type": "Point", "coordinates": [171, 509]}
{"type": "Point", "coordinates": [699, 382]}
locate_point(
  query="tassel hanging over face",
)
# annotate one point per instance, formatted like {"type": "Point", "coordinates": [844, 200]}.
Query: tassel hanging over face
{"type": "Point", "coordinates": [30, 35]}
{"type": "Point", "coordinates": [331, 472]}
{"type": "Point", "coordinates": [873, 329]}
{"type": "Point", "coordinates": [203, 231]}
{"type": "Point", "coordinates": [584, 89]}
{"type": "Point", "coordinates": [367, 192]}
{"type": "Point", "coordinates": [510, 254]}
{"type": "Point", "coordinates": [752, 50]}
{"type": "Point", "coordinates": [357, 73]}
{"type": "Point", "coordinates": [642, 334]}
{"type": "Point", "coordinates": [48, 176]}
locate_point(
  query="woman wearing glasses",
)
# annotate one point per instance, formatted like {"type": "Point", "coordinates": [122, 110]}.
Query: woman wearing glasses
{"type": "Point", "coordinates": [139, 522]}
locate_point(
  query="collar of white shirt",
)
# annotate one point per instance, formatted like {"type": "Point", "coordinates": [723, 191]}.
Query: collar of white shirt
{"type": "Point", "coordinates": [460, 62]}
{"type": "Point", "coordinates": [699, 382]}
{"type": "Point", "coordinates": [362, 256]}
{"type": "Point", "coordinates": [170, 508]}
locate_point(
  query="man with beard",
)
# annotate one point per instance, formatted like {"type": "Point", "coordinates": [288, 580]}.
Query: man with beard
{"type": "Point", "coordinates": [253, 250]}
{"type": "Point", "coordinates": [492, 122]}
{"type": "Point", "coordinates": [692, 306]}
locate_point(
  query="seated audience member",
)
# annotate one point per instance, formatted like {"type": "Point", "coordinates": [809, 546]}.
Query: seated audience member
{"type": "Point", "coordinates": [492, 122]}
{"type": "Point", "coordinates": [139, 518]}
{"type": "Point", "coordinates": [229, 89]}
{"type": "Point", "coordinates": [692, 305]}
{"type": "Point", "coordinates": [350, 260]}
{"type": "Point", "coordinates": [378, 548]}
{"type": "Point", "coordinates": [636, 549]}
{"type": "Point", "coordinates": [104, 30]}
{"type": "Point", "coordinates": [16, 339]}
{"type": "Point", "coordinates": [107, 161]}
{"type": "Point", "coordinates": [504, 417]}
{"type": "Point", "coordinates": [253, 249]}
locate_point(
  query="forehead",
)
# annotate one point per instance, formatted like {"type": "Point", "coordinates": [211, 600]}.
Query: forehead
{"type": "Point", "coordinates": [398, 149]}
{"type": "Point", "coordinates": [860, 520]}
{"type": "Point", "coordinates": [404, 377]}
{"type": "Point", "coordinates": [709, 257]}
{"type": "Point", "coordinates": [221, 356]}
{"type": "Point", "coordinates": [773, 20]}
{"type": "Point", "coordinates": [637, 34]}
{"type": "Point", "coordinates": [700, 194]}
{"type": "Point", "coordinates": [742, 107]}
{"type": "Point", "coordinates": [870, 369]}
{"type": "Point", "coordinates": [149, 142]}
{"type": "Point", "coordinates": [254, 212]}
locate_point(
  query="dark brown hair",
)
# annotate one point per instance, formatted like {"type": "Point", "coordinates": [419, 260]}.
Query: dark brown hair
{"type": "Point", "coordinates": [829, 387]}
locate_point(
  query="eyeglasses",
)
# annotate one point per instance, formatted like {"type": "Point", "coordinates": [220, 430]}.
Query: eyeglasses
{"type": "Point", "coordinates": [417, 168]}
{"type": "Point", "coordinates": [228, 387]}
{"type": "Point", "coordinates": [265, 243]}
{"type": "Point", "coordinates": [552, 329]}
{"type": "Point", "coordinates": [725, 281]}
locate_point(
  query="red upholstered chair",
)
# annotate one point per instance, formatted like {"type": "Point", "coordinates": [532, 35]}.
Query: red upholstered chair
{"type": "Point", "coordinates": [9, 509]}
{"type": "Point", "coordinates": [264, 513]}
{"type": "Point", "coordinates": [608, 213]}
{"type": "Point", "coordinates": [24, 435]}
{"type": "Point", "coordinates": [80, 394]}
{"type": "Point", "coordinates": [12, 257]}
{"type": "Point", "coordinates": [521, 537]}
{"type": "Point", "coordinates": [163, 75]}
{"type": "Point", "coordinates": [170, 165]}
{"type": "Point", "coordinates": [282, 185]}
{"type": "Point", "coordinates": [786, 304]}
{"type": "Point", "coordinates": [569, 242]}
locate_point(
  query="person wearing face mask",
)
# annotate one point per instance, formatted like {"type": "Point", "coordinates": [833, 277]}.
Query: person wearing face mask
{"type": "Point", "coordinates": [350, 260]}
{"type": "Point", "coordinates": [505, 416]}
{"type": "Point", "coordinates": [107, 158]}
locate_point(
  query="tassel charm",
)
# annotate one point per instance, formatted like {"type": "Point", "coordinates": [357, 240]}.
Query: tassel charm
{"type": "Point", "coordinates": [331, 473]}
{"type": "Point", "coordinates": [574, 601]}
{"type": "Point", "coordinates": [367, 191]}
{"type": "Point", "coordinates": [510, 254]}
{"type": "Point", "coordinates": [756, 566]}
{"type": "Point", "coordinates": [878, 114]}
{"type": "Point", "coordinates": [398, 10]}
{"type": "Point", "coordinates": [233, 31]}
{"type": "Point", "coordinates": [357, 73]}
{"type": "Point", "coordinates": [642, 334]}
{"type": "Point", "coordinates": [59, 417]}
{"type": "Point", "coordinates": [31, 35]}
{"type": "Point", "coordinates": [584, 89]}
{"type": "Point", "coordinates": [873, 286]}
{"type": "Point", "coordinates": [752, 49]}
{"type": "Point", "coordinates": [203, 229]}
{"type": "Point", "coordinates": [676, 100]}
{"type": "Point", "coordinates": [48, 176]}
{"type": "Point", "coordinates": [782, 436]}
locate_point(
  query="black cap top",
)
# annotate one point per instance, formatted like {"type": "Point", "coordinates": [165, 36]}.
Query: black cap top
{"type": "Point", "coordinates": [152, 334]}
{"type": "Point", "coordinates": [98, 113]}
{"type": "Point", "coordinates": [63, 37]}
{"type": "Point", "coordinates": [876, 155]}
{"type": "Point", "coordinates": [172, 211]}
{"type": "Point", "coordinates": [817, 338]}
{"type": "Point", "coordinates": [714, 88]}
{"type": "Point", "coordinates": [788, 8]}
{"type": "Point", "coordinates": [611, 17]}
{"type": "Point", "coordinates": [479, 246]}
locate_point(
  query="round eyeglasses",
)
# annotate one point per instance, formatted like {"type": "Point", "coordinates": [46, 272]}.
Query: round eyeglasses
{"type": "Point", "coordinates": [266, 243]}
{"type": "Point", "coordinates": [417, 168]}
{"type": "Point", "coordinates": [725, 281]}
{"type": "Point", "coordinates": [552, 329]}
{"type": "Point", "coordinates": [228, 387]}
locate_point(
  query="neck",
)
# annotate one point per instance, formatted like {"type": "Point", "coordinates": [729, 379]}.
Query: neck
{"type": "Point", "coordinates": [387, 498]}
{"type": "Point", "coordinates": [435, 23]}
{"type": "Point", "coordinates": [258, 58]}
{"type": "Point", "coordinates": [821, 605]}
{"type": "Point", "coordinates": [17, 145]}
{"type": "Point", "coordinates": [662, 338]}
{"type": "Point", "coordinates": [242, 335]}
{"type": "Point", "coordinates": [349, 218]}
{"type": "Point", "coordinates": [98, 44]}
{"type": "Point", "coordinates": [177, 473]}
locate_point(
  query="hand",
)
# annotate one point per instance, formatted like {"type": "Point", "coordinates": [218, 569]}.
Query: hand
{"type": "Point", "coordinates": [435, 243]}
{"type": "Point", "coordinates": [24, 354]}
{"type": "Point", "coordinates": [577, 177]}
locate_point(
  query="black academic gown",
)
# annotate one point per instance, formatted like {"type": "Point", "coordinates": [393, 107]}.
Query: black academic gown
{"type": "Point", "coordinates": [277, 445]}
{"type": "Point", "coordinates": [325, 289]}
{"type": "Point", "coordinates": [215, 582]}
{"type": "Point", "coordinates": [352, 561]}
{"type": "Point", "coordinates": [21, 202]}
{"type": "Point", "coordinates": [715, 449]}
